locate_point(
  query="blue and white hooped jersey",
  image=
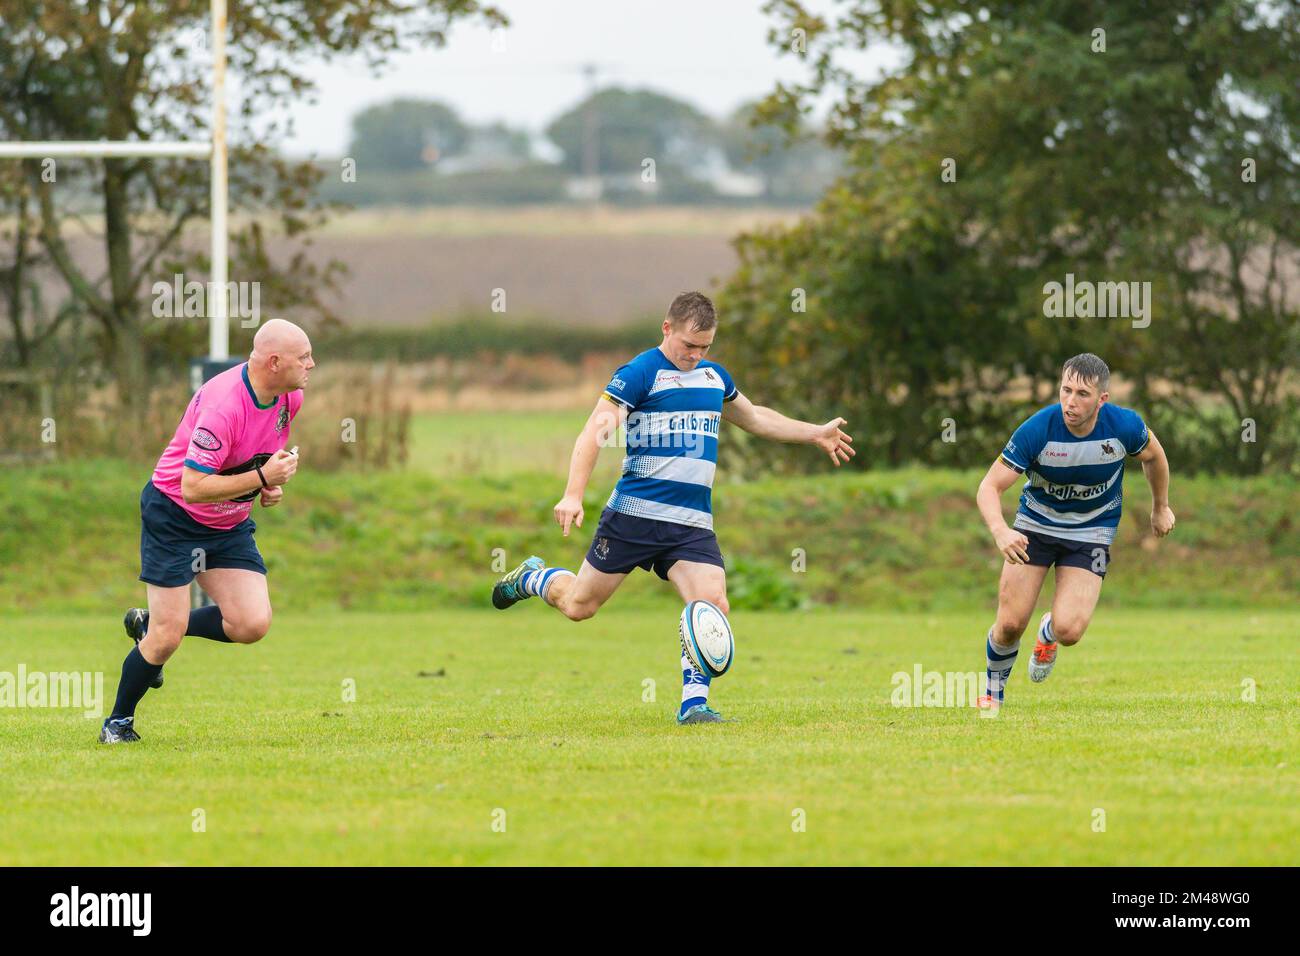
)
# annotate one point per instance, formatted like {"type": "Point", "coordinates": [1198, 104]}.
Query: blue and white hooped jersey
{"type": "Point", "coordinates": [1075, 485]}
{"type": "Point", "coordinates": [672, 437]}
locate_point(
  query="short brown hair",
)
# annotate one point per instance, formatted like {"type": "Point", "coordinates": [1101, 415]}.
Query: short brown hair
{"type": "Point", "coordinates": [695, 308]}
{"type": "Point", "coordinates": [1088, 368]}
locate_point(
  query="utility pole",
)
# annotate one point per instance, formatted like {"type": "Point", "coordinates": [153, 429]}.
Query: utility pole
{"type": "Point", "coordinates": [591, 136]}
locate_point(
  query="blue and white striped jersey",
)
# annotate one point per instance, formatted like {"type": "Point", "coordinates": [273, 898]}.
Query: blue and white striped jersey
{"type": "Point", "coordinates": [1075, 485]}
{"type": "Point", "coordinates": [672, 437]}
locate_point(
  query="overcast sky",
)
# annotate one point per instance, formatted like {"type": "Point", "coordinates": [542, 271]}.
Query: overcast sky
{"type": "Point", "coordinates": [713, 53]}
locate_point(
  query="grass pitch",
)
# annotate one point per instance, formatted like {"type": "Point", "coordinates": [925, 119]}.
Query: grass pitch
{"type": "Point", "coordinates": [521, 738]}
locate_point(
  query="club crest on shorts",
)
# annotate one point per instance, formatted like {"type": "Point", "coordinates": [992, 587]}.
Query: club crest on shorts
{"type": "Point", "coordinates": [602, 548]}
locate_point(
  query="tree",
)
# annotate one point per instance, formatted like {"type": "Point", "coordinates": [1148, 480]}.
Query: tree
{"type": "Point", "coordinates": [32, 324]}
{"type": "Point", "coordinates": [896, 326]}
{"type": "Point", "coordinates": [622, 128]}
{"type": "Point", "coordinates": [794, 167]}
{"type": "Point", "coordinates": [99, 69]}
{"type": "Point", "coordinates": [1113, 156]}
{"type": "Point", "coordinates": [405, 134]}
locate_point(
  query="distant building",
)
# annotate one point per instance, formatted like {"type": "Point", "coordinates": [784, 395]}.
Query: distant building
{"type": "Point", "coordinates": [746, 185]}
{"type": "Point", "coordinates": [488, 149]}
{"type": "Point", "coordinates": [708, 167]}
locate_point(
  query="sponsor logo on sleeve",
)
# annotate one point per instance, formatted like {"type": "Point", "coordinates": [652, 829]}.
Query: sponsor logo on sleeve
{"type": "Point", "coordinates": [206, 440]}
{"type": "Point", "coordinates": [618, 383]}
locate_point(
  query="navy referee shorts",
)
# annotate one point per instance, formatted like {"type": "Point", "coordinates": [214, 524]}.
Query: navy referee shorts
{"type": "Point", "coordinates": [171, 543]}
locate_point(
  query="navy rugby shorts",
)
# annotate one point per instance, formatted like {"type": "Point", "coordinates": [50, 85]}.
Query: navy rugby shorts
{"type": "Point", "coordinates": [623, 542]}
{"type": "Point", "coordinates": [1046, 550]}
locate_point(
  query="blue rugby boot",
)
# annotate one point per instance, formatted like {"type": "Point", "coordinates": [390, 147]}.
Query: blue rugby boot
{"type": "Point", "coordinates": [509, 590]}
{"type": "Point", "coordinates": [702, 714]}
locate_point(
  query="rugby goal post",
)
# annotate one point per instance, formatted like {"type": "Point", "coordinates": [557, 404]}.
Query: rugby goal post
{"type": "Point", "coordinates": [214, 151]}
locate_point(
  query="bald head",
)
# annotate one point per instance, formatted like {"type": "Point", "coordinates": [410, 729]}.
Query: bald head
{"type": "Point", "coordinates": [281, 356]}
{"type": "Point", "coordinates": [278, 336]}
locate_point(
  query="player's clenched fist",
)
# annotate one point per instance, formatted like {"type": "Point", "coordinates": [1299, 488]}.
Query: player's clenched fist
{"type": "Point", "coordinates": [1013, 545]}
{"type": "Point", "coordinates": [280, 468]}
{"type": "Point", "coordinates": [569, 512]}
{"type": "Point", "coordinates": [1162, 521]}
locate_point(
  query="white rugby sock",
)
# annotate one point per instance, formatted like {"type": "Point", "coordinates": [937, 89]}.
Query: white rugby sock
{"type": "Point", "coordinates": [538, 583]}
{"type": "Point", "coordinates": [695, 686]}
{"type": "Point", "coordinates": [1045, 630]}
{"type": "Point", "coordinates": [548, 578]}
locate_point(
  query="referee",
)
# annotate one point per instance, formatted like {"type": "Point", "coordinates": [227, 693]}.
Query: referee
{"type": "Point", "coordinates": [195, 514]}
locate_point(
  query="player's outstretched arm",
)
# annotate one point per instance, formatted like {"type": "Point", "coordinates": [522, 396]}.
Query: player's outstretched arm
{"type": "Point", "coordinates": [1009, 541]}
{"type": "Point", "coordinates": [769, 423]}
{"type": "Point", "coordinates": [1156, 468]}
{"type": "Point", "coordinates": [601, 429]}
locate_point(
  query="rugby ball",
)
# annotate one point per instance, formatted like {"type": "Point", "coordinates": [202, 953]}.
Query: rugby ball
{"type": "Point", "coordinates": [707, 640]}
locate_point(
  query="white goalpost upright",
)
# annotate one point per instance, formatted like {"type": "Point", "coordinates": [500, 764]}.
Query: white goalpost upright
{"type": "Point", "coordinates": [214, 151]}
{"type": "Point", "coordinates": [218, 319]}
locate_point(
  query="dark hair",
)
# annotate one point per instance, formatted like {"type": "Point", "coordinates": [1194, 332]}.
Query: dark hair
{"type": "Point", "coordinates": [695, 308]}
{"type": "Point", "coordinates": [1090, 369]}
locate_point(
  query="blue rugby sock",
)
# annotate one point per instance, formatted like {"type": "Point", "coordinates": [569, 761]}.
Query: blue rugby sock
{"type": "Point", "coordinates": [695, 686]}
{"type": "Point", "coordinates": [538, 583]}
{"type": "Point", "coordinates": [137, 673]}
{"type": "Point", "coordinates": [999, 661]}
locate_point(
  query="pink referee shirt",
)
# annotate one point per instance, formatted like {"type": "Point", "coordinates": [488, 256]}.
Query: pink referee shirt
{"type": "Point", "coordinates": [225, 431]}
